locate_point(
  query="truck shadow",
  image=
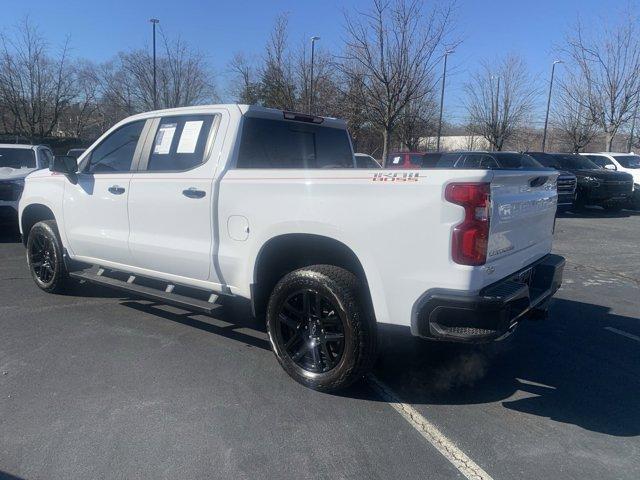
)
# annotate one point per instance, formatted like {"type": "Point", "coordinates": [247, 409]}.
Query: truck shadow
{"type": "Point", "coordinates": [567, 368]}
{"type": "Point", "coordinates": [7, 476]}
{"type": "Point", "coordinates": [597, 212]}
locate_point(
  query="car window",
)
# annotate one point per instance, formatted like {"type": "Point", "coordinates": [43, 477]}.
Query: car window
{"type": "Point", "coordinates": [17, 158]}
{"type": "Point", "coordinates": [365, 161]}
{"type": "Point", "coordinates": [46, 158]}
{"type": "Point", "coordinates": [571, 161]}
{"type": "Point", "coordinates": [180, 142]}
{"type": "Point", "coordinates": [395, 160]}
{"type": "Point", "coordinates": [430, 160]}
{"type": "Point", "coordinates": [477, 161]}
{"type": "Point", "coordinates": [416, 159]}
{"type": "Point", "coordinates": [628, 161]}
{"type": "Point", "coordinates": [115, 153]}
{"type": "Point", "coordinates": [270, 143]}
{"type": "Point", "coordinates": [599, 160]}
{"type": "Point", "coordinates": [545, 159]}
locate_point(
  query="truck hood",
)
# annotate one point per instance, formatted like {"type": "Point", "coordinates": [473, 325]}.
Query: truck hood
{"type": "Point", "coordinates": [8, 173]}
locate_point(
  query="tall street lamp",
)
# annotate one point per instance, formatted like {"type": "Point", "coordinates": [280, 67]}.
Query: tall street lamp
{"type": "Point", "coordinates": [444, 76]}
{"type": "Point", "coordinates": [633, 126]}
{"type": "Point", "coordinates": [154, 21]}
{"type": "Point", "coordinates": [546, 118]}
{"type": "Point", "coordinates": [313, 49]}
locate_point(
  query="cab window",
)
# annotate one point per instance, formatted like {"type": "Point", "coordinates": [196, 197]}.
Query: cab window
{"type": "Point", "coordinates": [179, 143]}
{"type": "Point", "coordinates": [115, 153]}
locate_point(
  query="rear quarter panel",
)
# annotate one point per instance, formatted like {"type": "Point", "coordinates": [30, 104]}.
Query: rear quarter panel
{"type": "Point", "coordinates": [396, 222]}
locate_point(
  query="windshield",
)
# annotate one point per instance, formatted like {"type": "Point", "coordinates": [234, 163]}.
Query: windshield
{"type": "Point", "coordinates": [17, 158]}
{"type": "Point", "coordinates": [628, 161]}
{"type": "Point", "coordinates": [482, 160]}
{"type": "Point", "coordinates": [574, 162]}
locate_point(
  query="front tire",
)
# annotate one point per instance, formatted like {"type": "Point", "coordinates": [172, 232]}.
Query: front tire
{"type": "Point", "coordinates": [45, 257]}
{"type": "Point", "coordinates": [318, 327]}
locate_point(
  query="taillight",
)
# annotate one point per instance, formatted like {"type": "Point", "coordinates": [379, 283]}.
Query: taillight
{"type": "Point", "coordinates": [470, 238]}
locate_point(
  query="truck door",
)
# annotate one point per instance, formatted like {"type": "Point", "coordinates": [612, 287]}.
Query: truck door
{"type": "Point", "coordinates": [95, 207]}
{"type": "Point", "coordinates": [172, 198]}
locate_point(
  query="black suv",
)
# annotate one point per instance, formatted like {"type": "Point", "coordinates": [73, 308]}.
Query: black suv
{"type": "Point", "coordinates": [596, 186]}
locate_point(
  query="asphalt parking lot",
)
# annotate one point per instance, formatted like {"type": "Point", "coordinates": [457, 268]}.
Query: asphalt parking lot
{"type": "Point", "coordinates": [97, 385]}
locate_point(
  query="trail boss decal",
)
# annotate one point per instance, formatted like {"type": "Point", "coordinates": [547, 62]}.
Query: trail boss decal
{"type": "Point", "coordinates": [396, 177]}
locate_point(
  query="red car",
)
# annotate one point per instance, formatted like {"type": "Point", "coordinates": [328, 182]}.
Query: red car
{"type": "Point", "coordinates": [404, 160]}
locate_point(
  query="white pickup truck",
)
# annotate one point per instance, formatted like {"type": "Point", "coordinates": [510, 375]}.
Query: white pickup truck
{"type": "Point", "coordinates": [187, 205]}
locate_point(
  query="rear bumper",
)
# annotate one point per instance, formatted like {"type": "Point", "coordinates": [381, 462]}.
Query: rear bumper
{"type": "Point", "coordinates": [452, 315]}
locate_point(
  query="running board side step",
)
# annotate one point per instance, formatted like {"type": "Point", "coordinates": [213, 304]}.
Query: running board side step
{"type": "Point", "coordinates": [163, 296]}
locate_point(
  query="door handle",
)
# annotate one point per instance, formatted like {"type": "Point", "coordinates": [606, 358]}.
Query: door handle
{"type": "Point", "coordinates": [194, 193]}
{"type": "Point", "coordinates": [116, 189]}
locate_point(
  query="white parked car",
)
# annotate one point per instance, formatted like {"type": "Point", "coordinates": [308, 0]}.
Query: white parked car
{"type": "Point", "coordinates": [233, 200]}
{"type": "Point", "coordinates": [622, 162]}
{"type": "Point", "coordinates": [16, 162]}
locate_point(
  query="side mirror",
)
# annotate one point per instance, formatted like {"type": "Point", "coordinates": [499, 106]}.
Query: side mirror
{"type": "Point", "coordinates": [610, 166]}
{"type": "Point", "coordinates": [64, 164]}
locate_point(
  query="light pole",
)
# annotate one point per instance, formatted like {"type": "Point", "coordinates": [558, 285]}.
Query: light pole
{"type": "Point", "coordinates": [495, 108]}
{"type": "Point", "coordinates": [546, 118]}
{"type": "Point", "coordinates": [444, 77]}
{"type": "Point", "coordinates": [633, 125]}
{"type": "Point", "coordinates": [313, 50]}
{"type": "Point", "coordinates": [154, 21]}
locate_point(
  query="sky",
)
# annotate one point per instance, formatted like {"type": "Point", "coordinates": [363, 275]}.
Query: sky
{"type": "Point", "coordinates": [488, 29]}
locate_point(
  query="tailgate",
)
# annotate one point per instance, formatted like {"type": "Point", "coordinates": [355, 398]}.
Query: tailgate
{"type": "Point", "coordinates": [523, 209]}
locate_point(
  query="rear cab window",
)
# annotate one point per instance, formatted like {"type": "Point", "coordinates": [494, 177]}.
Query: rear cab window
{"type": "Point", "coordinates": [273, 143]}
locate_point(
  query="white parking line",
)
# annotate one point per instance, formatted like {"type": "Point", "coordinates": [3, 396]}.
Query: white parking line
{"type": "Point", "coordinates": [623, 333]}
{"type": "Point", "coordinates": [430, 432]}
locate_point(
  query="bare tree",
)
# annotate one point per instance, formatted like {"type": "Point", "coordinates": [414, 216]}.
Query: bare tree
{"type": "Point", "coordinates": [277, 82]}
{"type": "Point", "coordinates": [607, 60]}
{"type": "Point", "coordinates": [571, 118]}
{"type": "Point", "coordinates": [245, 88]}
{"type": "Point", "coordinates": [417, 121]}
{"type": "Point", "coordinates": [82, 115]}
{"type": "Point", "coordinates": [182, 74]}
{"type": "Point", "coordinates": [500, 98]}
{"type": "Point", "coordinates": [392, 50]}
{"type": "Point", "coordinates": [35, 87]}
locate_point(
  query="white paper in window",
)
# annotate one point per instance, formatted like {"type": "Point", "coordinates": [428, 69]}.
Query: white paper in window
{"type": "Point", "coordinates": [396, 160]}
{"type": "Point", "coordinates": [164, 138]}
{"type": "Point", "coordinates": [189, 137]}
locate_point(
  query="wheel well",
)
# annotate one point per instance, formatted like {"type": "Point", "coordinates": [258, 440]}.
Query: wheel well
{"type": "Point", "coordinates": [33, 214]}
{"type": "Point", "coordinates": [289, 252]}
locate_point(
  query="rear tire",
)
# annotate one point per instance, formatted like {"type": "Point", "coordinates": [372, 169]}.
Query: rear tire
{"type": "Point", "coordinates": [45, 257]}
{"type": "Point", "coordinates": [319, 329]}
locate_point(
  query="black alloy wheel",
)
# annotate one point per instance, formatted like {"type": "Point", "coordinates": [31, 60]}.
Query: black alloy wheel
{"type": "Point", "coordinates": [45, 257]}
{"type": "Point", "coordinates": [311, 330]}
{"type": "Point", "coordinates": [42, 257]}
{"type": "Point", "coordinates": [320, 327]}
